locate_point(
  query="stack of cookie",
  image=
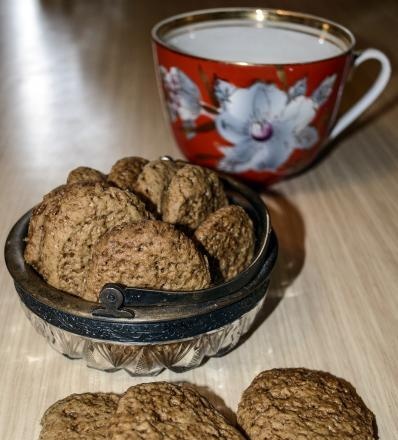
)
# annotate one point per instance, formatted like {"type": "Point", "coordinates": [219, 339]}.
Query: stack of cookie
{"type": "Point", "coordinates": [162, 224]}
{"type": "Point", "coordinates": [148, 411]}
{"type": "Point", "coordinates": [287, 404]}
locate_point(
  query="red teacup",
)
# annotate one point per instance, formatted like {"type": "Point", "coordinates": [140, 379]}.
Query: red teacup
{"type": "Point", "coordinates": [255, 92]}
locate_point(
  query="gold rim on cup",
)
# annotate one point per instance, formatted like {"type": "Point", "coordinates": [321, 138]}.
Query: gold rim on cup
{"type": "Point", "coordinates": [259, 15]}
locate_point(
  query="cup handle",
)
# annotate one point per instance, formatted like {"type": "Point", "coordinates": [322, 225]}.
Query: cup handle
{"type": "Point", "coordinates": [371, 95]}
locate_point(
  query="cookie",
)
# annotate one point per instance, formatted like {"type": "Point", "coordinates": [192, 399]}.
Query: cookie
{"type": "Point", "coordinates": [84, 212]}
{"type": "Point", "coordinates": [166, 411]}
{"type": "Point", "coordinates": [149, 254]}
{"type": "Point", "coordinates": [154, 179]}
{"type": "Point", "coordinates": [295, 403]}
{"type": "Point", "coordinates": [124, 173]}
{"type": "Point", "coordinates": [34, 240]}
{"type": "Point", "coordinates": [228, 238]}
{"type": "Point", "coordinates": [85, 174]}
{"type": "Point", "coordinates": [192, 195]}
{"type": "Point", "coordinates": [79, 416]}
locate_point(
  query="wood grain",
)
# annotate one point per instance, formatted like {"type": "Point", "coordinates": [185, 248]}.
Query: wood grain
{"type": "Point", "coordinates": [77, 88]}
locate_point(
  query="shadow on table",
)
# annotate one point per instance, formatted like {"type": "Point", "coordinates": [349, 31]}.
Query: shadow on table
{"type": "Point", "coordinates": [288, 224]}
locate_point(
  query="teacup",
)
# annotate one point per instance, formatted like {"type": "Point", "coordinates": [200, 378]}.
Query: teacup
{"type": "Point", "coordinates": [255, 92]}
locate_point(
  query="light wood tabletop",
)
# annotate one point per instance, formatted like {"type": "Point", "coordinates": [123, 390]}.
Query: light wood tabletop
{"type": "Point", "coordinates": [78, 88]}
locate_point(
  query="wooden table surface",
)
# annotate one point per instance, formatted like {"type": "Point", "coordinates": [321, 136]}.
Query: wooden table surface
{"type": "Point", "coordinates": [77, 87]}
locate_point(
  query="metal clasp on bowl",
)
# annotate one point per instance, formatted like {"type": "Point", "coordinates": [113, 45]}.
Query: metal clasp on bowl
{"type": "Point", "coordinates": [112, 300]}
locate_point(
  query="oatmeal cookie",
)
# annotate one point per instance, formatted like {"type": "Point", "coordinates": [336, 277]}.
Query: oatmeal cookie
{"type": "Point", "coordinates": [124, 173]}
{"type": "Point", "coordinates": [148, 254]}
{"type": "Point", "coordinates": [154, 179]}
{"type": "Point", "coordinates": [227, 236]}
{"type": "Point", "coordinates": [34, 240]}
{"type": "Point", "coordinates": [85, 174]}
{"type": "Point", "coordinates": [192, 195]}
{"type": "Point", "coordinates": [83, 213]}
{"type": "Point", "coordinates": [79, 417]}
{"type": "Point", "coordinates": [295, 403]}
{"type": "Point", "coordinates": [166, 411]}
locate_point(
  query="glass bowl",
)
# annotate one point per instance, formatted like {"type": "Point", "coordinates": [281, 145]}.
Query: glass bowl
{"type": "Point", "coordinates": [144, 331]}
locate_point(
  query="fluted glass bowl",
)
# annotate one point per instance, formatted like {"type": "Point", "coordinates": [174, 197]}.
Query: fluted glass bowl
{"type": "Point", "coordinates": [144, 331]}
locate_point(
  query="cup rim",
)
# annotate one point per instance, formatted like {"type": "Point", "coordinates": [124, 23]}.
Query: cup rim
{"type": "Point", "coordinates": [200, 15]}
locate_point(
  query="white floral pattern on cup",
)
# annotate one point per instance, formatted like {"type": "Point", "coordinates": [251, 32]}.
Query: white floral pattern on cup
{"type": "Point", "coordinates": [264, 127]}
{"type": "Point", "coordinates": [264, 124]}
{"type": "Point", "coordinates": [182, 95]}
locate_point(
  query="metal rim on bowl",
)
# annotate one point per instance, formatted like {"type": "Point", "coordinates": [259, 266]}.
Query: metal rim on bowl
{"type": "Point", "coordinates": [148, 315]}
{"type": "Point", "coordinates": [141, 332]}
